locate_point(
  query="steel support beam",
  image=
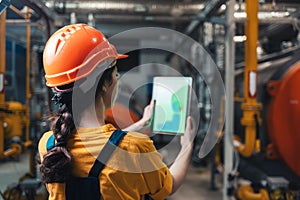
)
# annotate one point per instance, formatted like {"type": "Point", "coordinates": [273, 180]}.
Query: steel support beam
{"type": "Point", "coordinates": [229, 103]}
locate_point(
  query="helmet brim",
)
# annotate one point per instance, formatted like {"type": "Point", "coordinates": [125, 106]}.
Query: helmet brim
{"type": "Point", "coordinates": [122, 56]}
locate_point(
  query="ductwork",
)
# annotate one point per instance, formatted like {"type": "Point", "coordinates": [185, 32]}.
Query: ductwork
{"type": "Point", "coordinates": [133, 18]}
{"type": "Point", "coordinates": [147, 7]}
{"type": "Point", "coordinates": [166, 10]}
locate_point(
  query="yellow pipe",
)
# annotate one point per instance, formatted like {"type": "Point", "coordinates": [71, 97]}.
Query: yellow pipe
{"type": "Point", "coordinates": [249, 146]}
{"type": "Point", "coordinates": [27, 144]}
{"type": "Point", "coordinates": [15, 149]}
{"type": "Point", "coordinates": [17, 11]}
{"type": "Point", "coordinates": [9, 152]}
{"type": "Point", "coordinates": [250, 106]}
{"type": "Point", "coordinates": [33, 80]}
{"type": "Point", "coordinates": [239, 99]}
{"type": "Point", "coordinates": [251, 30]}
{"type": "Point", "coordinates": [2, 71]}
{"type": "Point", "coordinates": [28, 94]}
{"type": "Point", "coordinates": [246, 193]}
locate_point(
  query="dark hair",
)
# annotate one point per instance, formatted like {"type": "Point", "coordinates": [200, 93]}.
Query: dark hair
{"type": "Point", "coordinates": [56, 164]}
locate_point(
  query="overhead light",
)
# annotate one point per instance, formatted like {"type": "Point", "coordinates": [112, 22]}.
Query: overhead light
{"type": "Point", "coordinates": [239, 38]}
{"type": "Point", "coordinates": [223, 7]}
{"type": "Point", "coordinates": [3, 5]}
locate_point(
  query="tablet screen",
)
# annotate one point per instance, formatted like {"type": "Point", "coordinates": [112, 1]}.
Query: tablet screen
{"type": "Point", "coordinates": [171, 95]}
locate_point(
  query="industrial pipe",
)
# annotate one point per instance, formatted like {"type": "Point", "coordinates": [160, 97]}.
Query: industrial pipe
{"type": "Point", "coordinates": [246, 192]}
{"type": "Point", "coordinates": [17, 11]}
{"type": "Point", "coordinates": [3, 106]}
{"type": "Point", "coordinates": [2, 70]}
{"type": "Point", "coordinates": [28, 93]}
{"type": "Point", "coordinates": [126, 7]}
{"type": "Point", "coordinates": [43, 11]}
{"type": "Point", "coordinates": [15, 149]}
{"type": "Point", "coordinates": [250, 107]}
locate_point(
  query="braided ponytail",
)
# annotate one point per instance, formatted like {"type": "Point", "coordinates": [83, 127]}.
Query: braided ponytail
{"type": "Point", "coordinates": [57, 161]}
{"type": "Point", "coordinates": [56, 165]}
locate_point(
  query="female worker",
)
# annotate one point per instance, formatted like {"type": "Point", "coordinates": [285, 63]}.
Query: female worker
{"type": "Point", "coordinates": [71, 58]}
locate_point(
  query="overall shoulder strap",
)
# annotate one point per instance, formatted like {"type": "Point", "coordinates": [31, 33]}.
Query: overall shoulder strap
{"type": "Point", "coordinates": [108, 149]}
{"type": "Point", "coordinates": [50, 142]}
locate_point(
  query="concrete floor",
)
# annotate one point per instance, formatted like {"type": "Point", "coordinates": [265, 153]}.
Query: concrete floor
{"type": "Point", "coordinates": [195, 187]}
{"type": "Point", "coordinates": [12, 170]}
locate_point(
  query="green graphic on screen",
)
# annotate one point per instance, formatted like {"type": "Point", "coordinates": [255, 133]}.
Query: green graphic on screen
{"type": "Point", "coordinates": [171, 95]}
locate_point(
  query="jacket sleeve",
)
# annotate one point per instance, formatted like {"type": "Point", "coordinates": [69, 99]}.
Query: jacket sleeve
{"type": "Point", "coordinates": [156, 175]}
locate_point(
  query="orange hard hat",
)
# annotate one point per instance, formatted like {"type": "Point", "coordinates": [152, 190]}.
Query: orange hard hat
{"type": "Point", "coordinates": [73, 52]}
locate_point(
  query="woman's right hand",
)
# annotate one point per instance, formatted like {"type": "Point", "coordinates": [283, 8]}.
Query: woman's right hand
{"type": "Point", "coordinates": [180, 166]}
{"type": "Point", "coordinates": [190, 132]}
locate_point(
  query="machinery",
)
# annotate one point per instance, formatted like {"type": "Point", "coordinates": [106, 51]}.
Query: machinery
{"type": "Point", "coordinates": [265, 125]}
{"type": "Point", "coordinates": [266, 96]}
{"type": "Point", "coordinates": [20, 112]}
{"type": "Point", "coordinates": [265, 164]}
{"type": "Point", "coordinates": [13, 123]}
{"type": "Point", "coordinates": [272, 167]}
{"type": "Point", "coordinates": [14, 116]}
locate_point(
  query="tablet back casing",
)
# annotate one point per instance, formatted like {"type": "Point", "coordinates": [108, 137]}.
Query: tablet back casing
{"type": "Point", "coordinates": [172, 101]}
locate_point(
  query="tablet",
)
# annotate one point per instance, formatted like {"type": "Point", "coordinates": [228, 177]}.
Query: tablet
{"type": "Point", "coordinates": [172, 101]}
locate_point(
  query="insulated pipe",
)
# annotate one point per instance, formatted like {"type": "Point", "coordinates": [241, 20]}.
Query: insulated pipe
{"type": "Point", "coordinates": [152, 7]}
{"type": "Point", "coordinates": [229, 103]}
{"type": "Point", "coordinates": [250, 107]}
{"type": "Point", "coordinates": [21, 22]}
{"type": "Point", "coordinates": [281, 17]}
{"type": "Point", "coordinates": [2, 70]}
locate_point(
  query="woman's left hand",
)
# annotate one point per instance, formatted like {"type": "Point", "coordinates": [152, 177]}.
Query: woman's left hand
{"type": "Point", "coordinates": [144, 122]}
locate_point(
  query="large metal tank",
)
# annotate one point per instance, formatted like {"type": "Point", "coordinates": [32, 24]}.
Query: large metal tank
{"type": "Point", "coordinates": [283, 116]}
{"type": "Point", "coordinates": [278, 91]}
